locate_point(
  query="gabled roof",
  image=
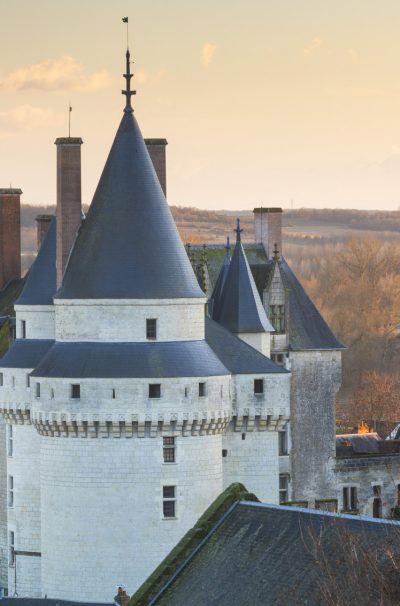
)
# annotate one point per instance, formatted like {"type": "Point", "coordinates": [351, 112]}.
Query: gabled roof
{"type": "Point", "coordinates": [25, 353]}
{"type": "Point", "coordinates": [239, 308]}
{"type": "Point", "coordinates": [40, 284]}
{"type": "Point", "coordinates": [261, 554]}
{"type": "Point", "coordinates": [128, 247]}
{"type": "Point", "coordinates": [89, 360]}
{"type": "Point", "coordinates": [239, 357]}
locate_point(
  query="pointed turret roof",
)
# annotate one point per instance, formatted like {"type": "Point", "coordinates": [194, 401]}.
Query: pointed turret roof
{"type": "Point", "coordinates": [128, 247]}
{"type": "Point", "coordinates": [241, 310]}
{"type": "Point", "coordinates": [216, 297]}
{"type": "Point", "coordinates": [40, 284]}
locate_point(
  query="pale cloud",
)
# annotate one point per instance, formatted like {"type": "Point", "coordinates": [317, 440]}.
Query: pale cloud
{"type": "Point", "coordinates": [27, 117]}
{"type": "Point", "coordinates": [310, 48]}
{"type": "Point", "coordinates": [62, 74]}
{"type": "Point", "coordinates": [207, 53]}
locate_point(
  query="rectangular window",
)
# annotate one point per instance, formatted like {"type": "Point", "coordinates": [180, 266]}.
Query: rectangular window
{"type": "Point", "coordinates": [151, 329]}
{"type": "Point", "coordinates": [154, 390]}
{"type": "Point", "coordinates": [202, 390]}
{"type": "Point", "coordinates": [10, 440]}
{"type": "Point", "coordinates": [28, 381]}
{"type": "Point", "coordinates": [169, 450]}
{"type": "Point", "coordinates": [169, 501]}
{"type": "Point", "coordinates": [278, 358]}
{"type": "Point", "coordinates": [1, 379]}
{"type": "Point", "coordinates": [75, 391]}
{"type": "Point", "coordinates": [37, 390]}
{"type": "Point", "coordinates": [10, 491]}
{"type": "Point", "coordinates": [349, 498]}
{"type": "Point", "coordinates": [277, 317]}
{"type": "Point", "coordinates": [11, 548]}
{"type": "Point", "coordinates": [283, 488]}
{"type": "Point", "coordinates": [283, 441]}
{"type": "Point", "coordinates": [258, 386]}
{"type": "Point", "coordinates": [23, 329]}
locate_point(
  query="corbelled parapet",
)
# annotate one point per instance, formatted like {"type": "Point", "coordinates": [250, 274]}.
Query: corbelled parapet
{"type": "Point", "coordinates": [157, 149]}
{"type": "Point", "coordinates": [268, 229]}
{"type": "Point", "coordinates": [10, 235]}
{"type": "Point", "coordinates": [69, 198]}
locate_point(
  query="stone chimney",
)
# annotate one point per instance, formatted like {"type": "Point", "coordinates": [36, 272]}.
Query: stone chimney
{"type": "Point", "coordinates": [268, 229]}
{"type": "Point", "coordinates": [42, 225]}
{"type": "Point", "coordinates": [156, 149]}
{"type": "Point", "coordinates": [69, 199]}
{"type": "Point", "coordinates": [10, 235]}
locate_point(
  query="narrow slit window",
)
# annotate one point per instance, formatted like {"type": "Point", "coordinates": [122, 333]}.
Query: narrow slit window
{"type": "Point", "coordinates": [169, 501]}
{"type": "Point", "coordinates": [37, 390]}
{"type": "Point", "coordinates": [258, 386]}
{"type": "Point", "coordinates": [11, 491]}
{"type": "Point", "coordinates": [151, 329]}
{"type": "Point", "coordinates": [10, 444]}
{"type": "Point", "coordinates": [202, 390]}
{"type": "Point", "coordinates": [1, 379]}
{"type": "Point", "coordinates": [11, 546]}
{"type": "Point", "coordinates": [75, 391]}
{"type": "Point", "coordinates": [169, 449]}
{"type": "Point", "coordinates": [23, 329]}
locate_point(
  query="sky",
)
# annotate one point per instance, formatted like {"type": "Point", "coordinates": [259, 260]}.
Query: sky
{"type": "Point", "coordinates": [291, 103]}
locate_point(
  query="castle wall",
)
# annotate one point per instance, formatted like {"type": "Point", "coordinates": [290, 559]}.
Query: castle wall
{"type": "Point", "coordinates": [102, 520]}
{"type": "Point", "coordinates": [177, 320]}
{"type": "Point", "coordinates": [39, 321]}
{"type": "Point", "coordinates": [316, 377]}
{"type": "Point", "coordinates": [252, 459]}
{"type": "Point", "coordinates": [364, 473]}
{"type": "Point", "coordinates": [24, 516]}
{"type": "Point", "coordinates": [3, 508]}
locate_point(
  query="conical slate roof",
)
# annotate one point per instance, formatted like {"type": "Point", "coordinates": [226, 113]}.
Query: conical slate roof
{"type": "Point", "coordinates": [216, 297]}
{"type": "Point", "coordinates": [240, 309]}
{"type": "Point", "coordinates": [40, 284]}
{"type": "Point", "coordinates": [128, 247]}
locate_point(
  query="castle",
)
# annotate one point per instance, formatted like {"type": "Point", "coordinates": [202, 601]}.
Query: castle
{"type": "Point", "coordinates": [130, 401]}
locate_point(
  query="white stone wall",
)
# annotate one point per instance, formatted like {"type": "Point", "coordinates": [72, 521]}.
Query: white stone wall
{"type": "Point", "coordinates": [274, 402]}
{"type": "Point", "coordinates": [24, 516]}
{"type": "Point", "coordinates": [102, 518]}
{"type": "Point", "coordinates": [259, 340]}
{"type": "Point", "coordinates": [3, 507]}
{"type": "Point", "coordinates": [15, 393]}
{"type": "Point", "coordinates": [39, 321]}
{"type": "Point", "coordinates": [108, 320]}
{"type": "Point", "coordinates": [252, 459]}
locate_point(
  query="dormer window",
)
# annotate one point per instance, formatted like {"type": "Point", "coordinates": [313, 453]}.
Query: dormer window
{"type": "Point", "coordinates": [277, 317]}
{"type": "Point", "coordinates": [151, 329]}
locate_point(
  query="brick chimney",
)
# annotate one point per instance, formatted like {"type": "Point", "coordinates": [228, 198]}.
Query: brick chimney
{"type": "Point", "coordinates": [69, 200]}
{"type": "Point", "coordinates": [268, 228]}
{"type": "Point", "coordinates": [42, 225]}
{"type": "Point", "coordinates": [156, 149]}
{"type": "Point", "coordinates": [10, 235]}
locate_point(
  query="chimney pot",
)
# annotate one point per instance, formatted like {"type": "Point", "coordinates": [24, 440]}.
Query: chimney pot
{"type": "Point", "coordinates": [157, 149]}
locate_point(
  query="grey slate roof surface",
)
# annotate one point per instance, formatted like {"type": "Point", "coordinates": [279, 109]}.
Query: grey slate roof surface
{"type": "Point", "coordinates": [130, 360]}
{"type": "Point", "coordinates": [40, 284]}
{"type": "Point", "coordinates": [364, 445]}
{"type": "Point", "coordinates": [25, 353]}
{"type": "Point", "coordinates": [128, 246]}
{"type": "Point", "coordinates": [262, 555]}
{"type": "Point", "coordinates": [216, 296]}
{"type": "Point", "coordinates": [239, 357]}
{"type": "Point", "coordinates": [239, 308]}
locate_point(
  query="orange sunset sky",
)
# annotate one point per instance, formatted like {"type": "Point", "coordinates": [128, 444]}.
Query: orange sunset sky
{"type": "Point", "coordinates": [261, 101]}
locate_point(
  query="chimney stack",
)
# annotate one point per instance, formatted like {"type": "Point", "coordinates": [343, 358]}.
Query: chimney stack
{"type": "Point", "coordinates": [268, 229]}
{"type": "Point", "coordinates": [156, 149]}
{"type": "Point", "coordinates": [43, 222]}
{"type": "Point", "coordinates": [69, 199]}
{"type": "Point", "coordinates": [10, 235]}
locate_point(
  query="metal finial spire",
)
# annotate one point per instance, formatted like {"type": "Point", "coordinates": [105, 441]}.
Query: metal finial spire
{"type": "Point", "coordinates": [238, 231]}
{"type": "Point", "coordinates": [276, 252]}
{"type": "Point", "coordinates": [128, 76]}
{"type": "Point", "coordinates": [228, 246]}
